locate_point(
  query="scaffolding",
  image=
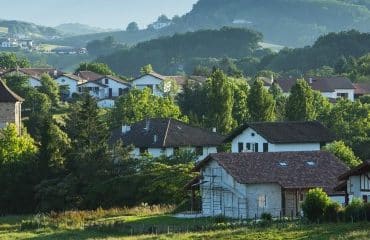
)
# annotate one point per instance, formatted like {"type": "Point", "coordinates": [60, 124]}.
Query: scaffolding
{"type": "Point", "coordinates": [220, 199]}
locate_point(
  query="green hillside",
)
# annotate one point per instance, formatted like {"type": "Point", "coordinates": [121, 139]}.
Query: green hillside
{"type": "Point", "coordinates": [290, 23]}
{"type": "Point", "coordinates": [28, 29]}
{"type": "Point", "coordinates": [75, 29]}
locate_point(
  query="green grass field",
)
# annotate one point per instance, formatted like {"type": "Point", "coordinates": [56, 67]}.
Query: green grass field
{"type": "Point", "coordinates": [123, 224]}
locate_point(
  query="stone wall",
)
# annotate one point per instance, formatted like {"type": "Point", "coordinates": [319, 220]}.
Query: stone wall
{"type": "Point", "coordinates": [10, 113]}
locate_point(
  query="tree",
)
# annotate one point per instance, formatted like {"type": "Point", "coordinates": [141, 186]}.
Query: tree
{"type": "Point", "coordinates": [280, 101]}
{"type": "Point", "coordinates": [240, 90]}
{"type": "Point", "coordinates": [100, 68]}
{"type": "Point", "coordinates": [146, 69]}
{"type": "Point", "coordinates": [220, 98]}
{"type": "Point", "coordinates": [260, 103]}
{"type": "Point", "coordinates": [140, 104]}
{"type": "Point", "coordinates": [315, 204]}
{"type": "Point", "coordinates": [50, 88]}
{"type": "Point", "coordinates": [132, 27]}
{"type": "Point", "coordinates": [300, 102]}
{"type": "Point", "coordinates": [11, 61]}
{"type": "Point", "coordinates": [344, 153]}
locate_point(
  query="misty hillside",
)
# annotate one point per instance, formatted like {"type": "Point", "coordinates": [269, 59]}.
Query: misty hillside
{"type": "Point", "coordinates": [74, 29]}
{"type": "Point", "coordinates": [28, 29]}
{"type": "Point", "coordinates": [292, 23]}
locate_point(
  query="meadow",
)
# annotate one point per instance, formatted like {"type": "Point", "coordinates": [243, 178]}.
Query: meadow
{"type": "Point", "coordinates": [155, 222]}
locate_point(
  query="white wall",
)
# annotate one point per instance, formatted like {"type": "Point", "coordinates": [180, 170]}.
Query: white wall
{"type": "Point", "coordinates": [246, 137]}
{"type": "Point", "coordinates": [100, 94]}
{"type": "Point", "coordinates": [106, 103]}
{"type": "Point", "coordinates": [354, 187]}
{"type": "Point", "coordinates": [33, 82]}
{"type": "Point", "coordinates": [147, 81]}
{"type": "Point", "coordinates": [114, 85]}
{"type": "Point", "coordinates": [236, 200]}
{"type": "Point", "coordinates": [350, 92]}
{"type": "Point", "coordinates": [71, 83]}
{"type": "Point", "coordinates": [157, 152]}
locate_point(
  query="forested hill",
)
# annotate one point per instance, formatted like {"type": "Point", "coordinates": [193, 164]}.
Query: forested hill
{"type": "Point", "coordinates": [170, 55]}
{"type": "Point", "coordinates": [292, 23]}
{"type": "Point", "coordinates": [28, 29]}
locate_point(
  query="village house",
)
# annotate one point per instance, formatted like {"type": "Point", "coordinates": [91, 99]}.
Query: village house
{"type": "Point", "coordinates": [10, 107]}
{"type": "Point", "coordinates": [279, 137]}
{"type": "Point", "coordinates": [245, 185]}
{"type": "Point", "coordinates": [356, 183]}
{"type": "Point", "coordinates": [69, 84]}
{"type": "Point", "coordinates": [361, 89]}
{"type": "Point", "coordinates": [166, 136]}
{"type": "Point", "coordinates": [330, 87]}
{"type": "Point", "coordinates": [34, 74]}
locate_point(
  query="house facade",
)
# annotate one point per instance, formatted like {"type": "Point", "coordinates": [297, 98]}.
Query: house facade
{"type": "Point", "coordinates": [34, 74]}
{"type": "Point", "coordinates": [69, 84]}
{"type": "Point", "coordinates": [163, 137]}
{"type": "Point", "coordinates": [330, 87]}
{"type": "Point", "coordinates": [115, 86]}
{"type": "Point", "coordinates": [245, 185]}
{"type": "Point", "coordinates": [94, 88]}
{"type": "Point", "coordinates": [10, 107]}
{"type": "Point", "coordinates": [356, 182]}
{"type": "Point", "coordinates": [153, 81]}
{"type": "Point", "coordinates": [279, 137]}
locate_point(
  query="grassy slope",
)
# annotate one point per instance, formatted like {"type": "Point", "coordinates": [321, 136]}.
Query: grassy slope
{"type": "Point", "coordinates": [9, 229]}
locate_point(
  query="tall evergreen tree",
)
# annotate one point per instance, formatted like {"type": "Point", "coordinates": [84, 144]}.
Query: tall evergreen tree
{"type": "Point", "coordinates": [261, 103]}
{"type": "Point", "coordinates": [220, 98]}
{"type": "Point", "coordinates": [300, 104]}
{"type": "Point", "coordinates": [50, 88]}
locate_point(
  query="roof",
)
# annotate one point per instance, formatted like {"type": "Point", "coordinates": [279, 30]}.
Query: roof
{"type": "Point", "coordinates": [288, 132]}
{"type": "Point", "coordinates": [169, 132]}
{"type": "Point", "coordinates": [73, 77]}
{"type": "Point", "coordinates": [94, 82]}
{"type": "Point", "coordinates": [117, 79]}
{"type": "Point", "coordinates": [322, 84]}
{"type": "Point", "coordinates": [362, 88]}
{"type": "Point", "coordinates": [7, 95]}
{"type": "Point", "coordinates": [360, 169]}
{"type": "Point", "coordinates": [88, 75]}
{"type": "Point", "coordinates": [37, 72]}
{"type": "Point", "coordinates": [181, 80]}
{"type": "Point", "coordinates": [290, 170]}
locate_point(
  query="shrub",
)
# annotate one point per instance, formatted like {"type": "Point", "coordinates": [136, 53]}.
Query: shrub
{"type": "Point", "coordinates": [266, 217]}
{"type": "Point", "coordinates": [355, 210]}
{"type": "Point", "coordinates": [220, 219]}
{"type": "Point", "coordinates": [315, 204]}
{"type": "Point", "coordinates": [366, 208]}
{"type": "Point", "coordinates": [332, 212]}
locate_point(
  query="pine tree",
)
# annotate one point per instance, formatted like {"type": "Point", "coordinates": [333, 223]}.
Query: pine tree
{"type": "Point", "coordinates": [261, 103]}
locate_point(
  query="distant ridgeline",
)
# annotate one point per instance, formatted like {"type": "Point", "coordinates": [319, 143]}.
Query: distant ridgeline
{"type": "Point", "coordinates": [26, 29]}
{"type": "Point", "coordinates": [179, 52]}
{"type": "Point", "coordinates": [293, 23]}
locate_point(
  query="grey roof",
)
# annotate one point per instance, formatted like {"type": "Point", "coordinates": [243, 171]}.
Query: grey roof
{"type": "Point", "coordinates": [288, 169]}
{"type": "Point", "coordinates": [322, 84]}
{"type": "Point", "coordinates": [288, 132]}
{"type": "Point", "coordinates": [169, 133]}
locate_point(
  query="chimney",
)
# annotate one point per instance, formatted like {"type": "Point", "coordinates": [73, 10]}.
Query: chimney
{"type": "Point", "coordinates": [126, 129]}
{"type": "Point", "coordinates": [272, 78]}
{"type": "Point", "coordinates": [155, 138]}
{"type": "Point", "coordinates": [214, 130]}
{"type": "Point", "coordinates": [310, 80]}
{"type": "Point", "coordinates": [55, 73]}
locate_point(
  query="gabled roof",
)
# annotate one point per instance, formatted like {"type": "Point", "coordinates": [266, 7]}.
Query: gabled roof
{"type": "Point", "coordinates": [37, 72]}
{"type": "Point", "coordinates": [288, 169]}
{"type": "Point", "coordinates": [153, 74]}
{"type": "Point", "coordinates": [288, 132]}
{"type": "Point", "coordinates": [7, 95]}
{"type": "Point", "coordinates": [169, 133]}
{"type": "Point", "coordinates": [360, 169]}
{"type": "Point", "coordinates": [93, 82]}
{"type": "Point", "coordinates": [114, 78]}
{"type": "Point", "coordinates": [73, 77]}
{"type": "Point", "coordinates": [362, 88]}
{"type": "Point", "coordinates": [88, 75]}
{"type": "Point", "coordinates": [322, 84]}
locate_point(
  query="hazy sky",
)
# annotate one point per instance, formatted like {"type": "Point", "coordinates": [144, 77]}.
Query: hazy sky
{"type": "Point", "coordinates": [100, 13]}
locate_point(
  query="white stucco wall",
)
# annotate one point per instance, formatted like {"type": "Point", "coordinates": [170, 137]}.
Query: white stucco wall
{"type": "Point", "coordinates": [350, 92]}
{"type": "Point", "coordinates": [147, 81]}
{"type": "Point", "coordinates": [102, 92]}
{"type": "Point", "coordinates": [114, 85]}
{"type": "Point", "coordinates": [354, 188]}
{"type": "Point", "coordinates": [71, 83]}
{"type": "Point", "coordinates": [33, 82]}
{"type": "Point", "coordinates": [246, 137]}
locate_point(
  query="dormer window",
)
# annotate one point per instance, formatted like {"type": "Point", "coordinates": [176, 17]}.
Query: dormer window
{"type": "Point", "coordinates": [283, 164]}
{"type": "Point", "coordinates": [311, 163]}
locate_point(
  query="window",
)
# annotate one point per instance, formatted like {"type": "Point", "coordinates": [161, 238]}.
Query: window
{"type": "Point", "coordinates": [143, 151]}
{"type": "Point", "coordinates": [79, 89]}
{"type": "Point", "coordinates": [252, 147]}
{"type": "Point", "coordinates": [240, 147]}
{"type": "Point", "coordinates": [199, 151]}
{"type": "Point", "coordinates": [301, 197]}
{"type": "Point", "coordinates": [106, 81]}
{"type": "Point", "coordinates": [163, 150]}
{"type": "Point", "coordinates": [176, 150]}
{"type": "Point", "coordinates": [120, 91]}
{"type": "Point", "coordinates": [256, 147]}
{"type": "Point", "coordinates": [253, 134]}
{"type": "Point", "coordinates": [342, 95]}
{"type": "Point", "coordinates": [262, 201]}
{"type": "Point", "coordinates": [265, 147]}
{"type": "Point", "coordinates": [248, 146]}
{"type": "Point", "coordinates": [365, 198]}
